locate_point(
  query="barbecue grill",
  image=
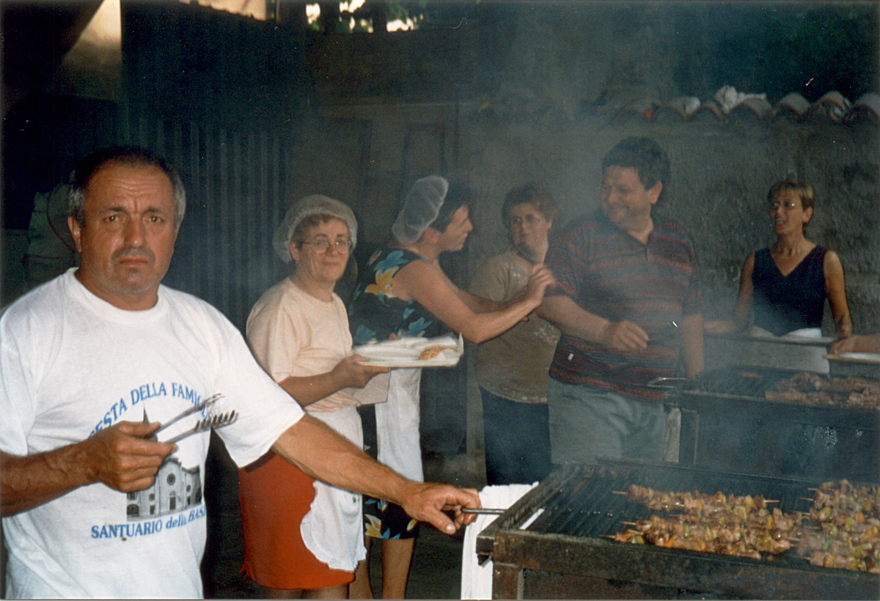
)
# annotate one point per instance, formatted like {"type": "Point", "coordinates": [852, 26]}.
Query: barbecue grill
{"type": "Point", "coordinates": [550, 543]}
{"type": "Point", "coordinates": [728, 424]}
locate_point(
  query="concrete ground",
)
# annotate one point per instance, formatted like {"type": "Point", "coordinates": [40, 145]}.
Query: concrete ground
{"type": "Point", "coordinates": [436, 568]}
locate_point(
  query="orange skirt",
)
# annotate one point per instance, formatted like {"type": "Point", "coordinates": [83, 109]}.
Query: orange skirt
{"type": "Point", "coordinates": [274, 497]}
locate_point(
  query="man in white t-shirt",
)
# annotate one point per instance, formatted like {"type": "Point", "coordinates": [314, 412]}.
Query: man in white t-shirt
{"type": "Point", "coordinates": [95, 360]}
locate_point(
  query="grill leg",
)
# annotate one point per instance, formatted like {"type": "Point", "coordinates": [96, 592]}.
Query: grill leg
{"type": "Point", "coordinates": [689, 437]}
{"type": "Point", "coordinates": [507, 581]}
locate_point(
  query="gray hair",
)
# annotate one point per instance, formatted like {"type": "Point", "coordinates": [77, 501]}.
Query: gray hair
{"type": "Point", "coordinates": [132, 156]}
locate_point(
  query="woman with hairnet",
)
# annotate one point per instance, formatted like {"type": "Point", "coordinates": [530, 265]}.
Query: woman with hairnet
{"type": "Point", "coordinates": [303, 537]}
{"type": "Point", "coordinates": [404, 292]}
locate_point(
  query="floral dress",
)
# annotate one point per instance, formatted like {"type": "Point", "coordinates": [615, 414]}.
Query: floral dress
{"type": "Point", "coordinates": [375, 313]}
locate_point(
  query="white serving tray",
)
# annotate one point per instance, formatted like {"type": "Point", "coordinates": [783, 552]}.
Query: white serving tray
{"type": "Point", "coordinates": [404, 352]}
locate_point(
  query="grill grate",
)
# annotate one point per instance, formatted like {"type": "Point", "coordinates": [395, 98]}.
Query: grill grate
{"type": "Point", "coordinates": [588, 504]}
{"type": "Point", "coordinates": [740, 394]}
{"type": "Point", "coordinates": [565, 546]}
{"type": "Point", "coordinates": [737, 428]}
{"type": "Point", "coordinates": [745, 384]}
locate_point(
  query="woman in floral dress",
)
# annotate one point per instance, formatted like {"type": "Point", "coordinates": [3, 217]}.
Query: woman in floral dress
{"type": "Point", "coordinates": [404, 292]}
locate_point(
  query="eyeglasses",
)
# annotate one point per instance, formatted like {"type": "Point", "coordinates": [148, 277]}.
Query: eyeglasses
{"type": "Point", "coordinates": [528, 219]}
{"type": "Point", "coordinates": [787, 205]}
{"type": "Point", "coordinates": [322, 245]}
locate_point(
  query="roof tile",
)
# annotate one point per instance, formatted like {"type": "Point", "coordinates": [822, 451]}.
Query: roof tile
{"type": "Point", "coordinates": [757, 106]}
{"type": "Point", "coordinates": [832, 106]}
{"type": "Point", "coordinates": [865, 109]}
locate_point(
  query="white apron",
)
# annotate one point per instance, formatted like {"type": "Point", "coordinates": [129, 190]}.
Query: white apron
{"type": "Point", "coordinates": [333, 528]}
{"type": "Point", "coordinates": [397, 425]}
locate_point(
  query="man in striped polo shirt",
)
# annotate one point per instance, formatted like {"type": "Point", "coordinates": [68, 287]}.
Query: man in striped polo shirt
{"type": "Point", "coordinates": [629, 306]}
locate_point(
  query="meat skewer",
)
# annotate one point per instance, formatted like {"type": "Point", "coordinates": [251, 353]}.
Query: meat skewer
{"type": "Point", "coordinates": [841, 530]}
{"type": "Point", "coordinates": [814, 389]}
{"type": "Point", "coordinates": [729, 539]}
{"type": "Point", "coordinates": [668, 501]}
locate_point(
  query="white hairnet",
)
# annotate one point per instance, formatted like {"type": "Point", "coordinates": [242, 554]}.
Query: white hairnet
{"type": "Point", "coordinates": [420, 208]}
{"type": "Point", "coordinates": [306, 207]}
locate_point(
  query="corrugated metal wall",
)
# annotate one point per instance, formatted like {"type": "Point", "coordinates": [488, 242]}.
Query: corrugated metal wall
{"type": "Point", "coordinates": [237, 190]}
{"type": "Point", "coordinates": [213, 93]}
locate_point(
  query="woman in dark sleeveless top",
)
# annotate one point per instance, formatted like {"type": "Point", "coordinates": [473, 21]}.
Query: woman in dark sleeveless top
{"type": "Point", "coordinates": [784, 304]}
{"type": "Point", "coordinates": [785, 285]}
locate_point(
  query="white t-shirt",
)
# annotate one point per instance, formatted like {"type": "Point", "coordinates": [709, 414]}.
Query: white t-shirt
{"type": "Point", "coordinates": [73, 364]}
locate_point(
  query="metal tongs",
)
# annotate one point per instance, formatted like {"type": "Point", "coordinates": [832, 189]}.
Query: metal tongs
{"type": "Point", "coordinates": [211, 423]}
{"type": "Point", "coordinates": [483, 511]}
{"type": "Point", "coordinates": [203, 405]}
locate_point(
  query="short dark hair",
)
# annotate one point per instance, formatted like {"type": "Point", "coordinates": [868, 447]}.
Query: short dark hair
{"type": "Point", "coordinates": [458, 195]}
{"type": "Point", "coordinates": [645, 156]}
{"type": "Point", "coordinates": [124, 155]}
{"type": "Point", "coordinates": [532, 194]}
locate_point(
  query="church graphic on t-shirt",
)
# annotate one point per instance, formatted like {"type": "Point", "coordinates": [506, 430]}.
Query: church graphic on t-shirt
{"type": "Point", "coordinates": [176, 489]}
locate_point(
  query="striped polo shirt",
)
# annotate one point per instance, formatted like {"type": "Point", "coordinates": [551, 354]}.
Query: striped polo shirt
{"type": "Point", "coordinates": [609, 273]}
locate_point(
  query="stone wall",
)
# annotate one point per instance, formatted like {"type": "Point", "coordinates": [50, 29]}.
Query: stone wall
{"type": "Point", "coordinates": [522, 91]}
{"type": "Point", "coordinates": [720, 176]}
{"type": "Point", "coordinates": [721, 171]}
